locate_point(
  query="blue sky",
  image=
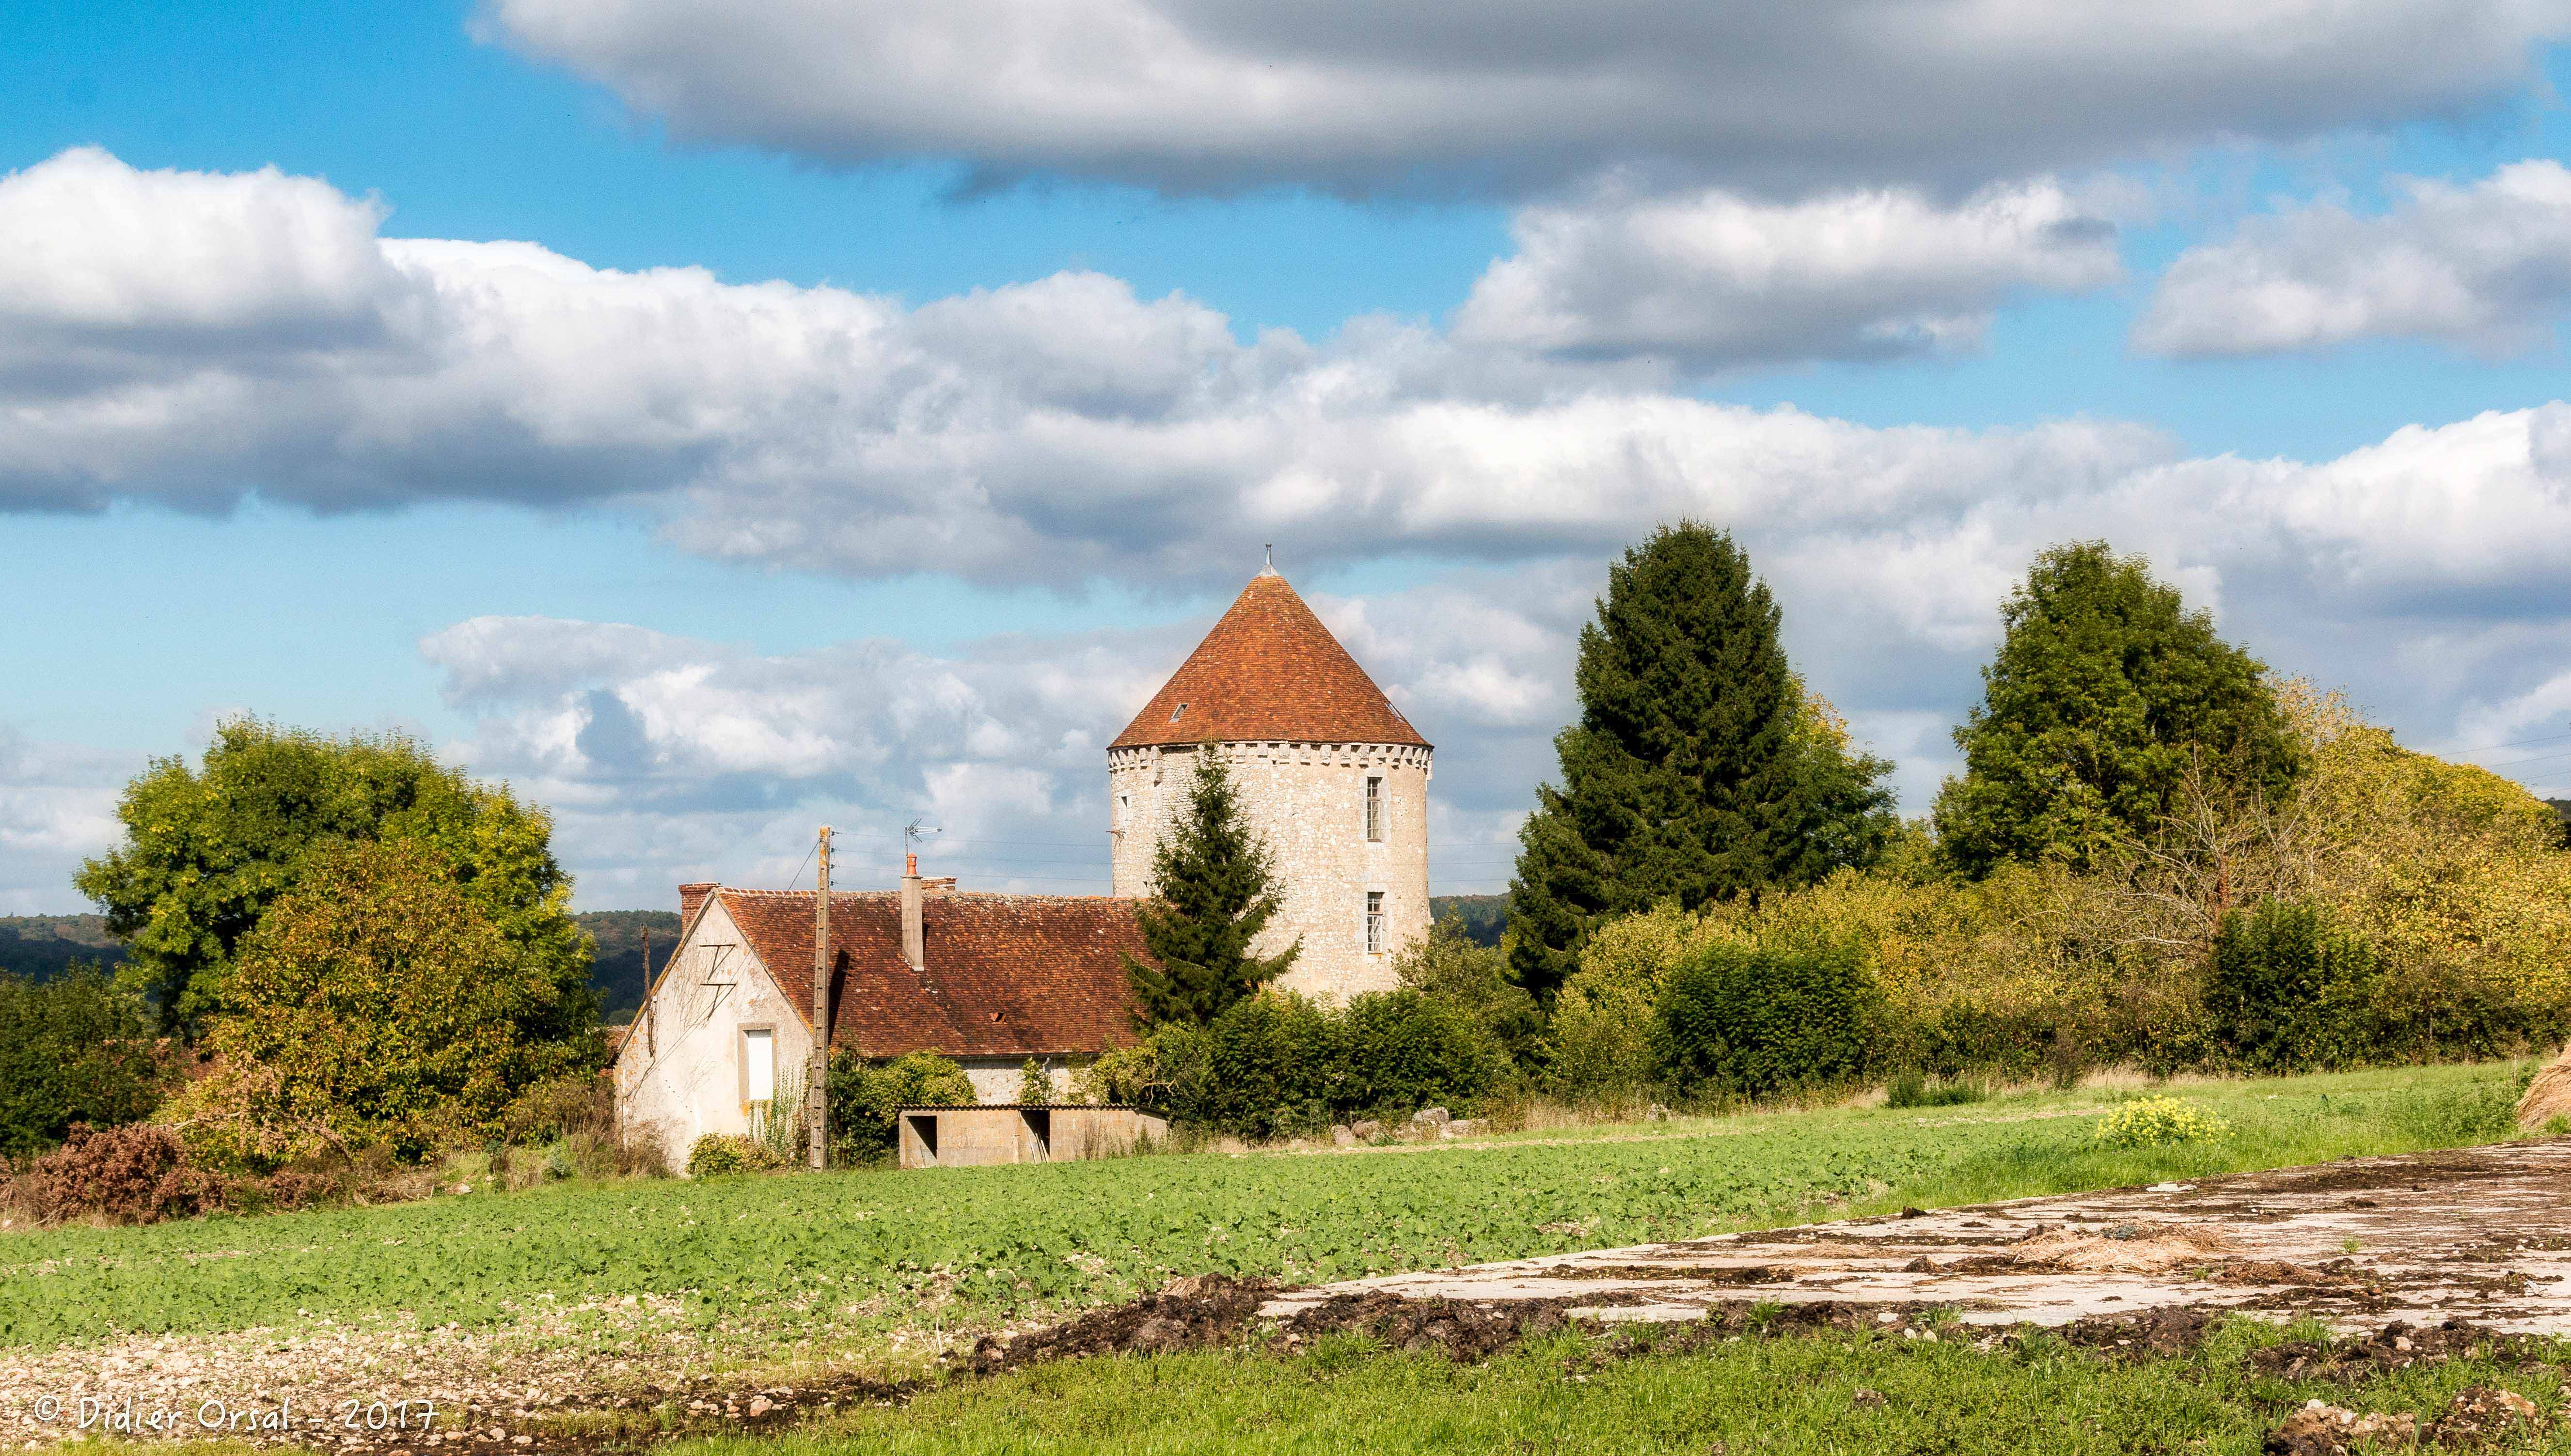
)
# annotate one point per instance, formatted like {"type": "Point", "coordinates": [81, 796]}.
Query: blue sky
{"type": "Point", "coordinates": [911, 533]}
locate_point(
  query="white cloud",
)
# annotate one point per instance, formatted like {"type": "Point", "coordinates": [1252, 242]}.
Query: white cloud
{"type": "Point", "coordinates": [1210, 94]}
{"type": "Point", "coordinates": [101, 253]}
{"type": "Point", "coordinates": [2486, 266]}
{"type": "Point", "coordinates": [57, 807]}
{"type": "Point", "coordinates": [2417, 573]}
{"type": "Point", "coordinates": [627, 733]}
{"type": "Point", "coordinates": [1065, 429]}
{"type": "Point", "coordinates": [1053, 431]}
{"type": "Point", "coordinates": [1716, 279]}
{"type": "Point", "coordinates": [667, 758]}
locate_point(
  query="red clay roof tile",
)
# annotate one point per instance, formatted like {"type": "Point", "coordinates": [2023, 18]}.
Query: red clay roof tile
{"type": "Point", "coordinates": [1007, 975]}
{"type": "Point", "coordinates": [1269, 671]}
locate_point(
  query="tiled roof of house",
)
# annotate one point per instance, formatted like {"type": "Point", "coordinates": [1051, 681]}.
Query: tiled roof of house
{"type": "Point", "coordinates": [1269, 671]}
{"type": "Point", "coordinates": [1007, 975]}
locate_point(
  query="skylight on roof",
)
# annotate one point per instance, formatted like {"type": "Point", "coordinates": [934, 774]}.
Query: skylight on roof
{"type": "Point", "coordinates": [1174, 711]}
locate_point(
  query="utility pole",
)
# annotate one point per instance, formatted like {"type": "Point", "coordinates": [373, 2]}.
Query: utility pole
{"type": "Point", "coordinates": [651, 1041]}
{"type": "Point", "coordinates": [817, 1087]}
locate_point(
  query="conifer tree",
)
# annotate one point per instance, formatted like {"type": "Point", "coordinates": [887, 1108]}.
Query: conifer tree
{"type": "Point", "coordinates": [1214, 890]}
{"type": "Point", "coordinates": [2105, 692]}
{"type": "Point", "coordinates": [1697, 769]}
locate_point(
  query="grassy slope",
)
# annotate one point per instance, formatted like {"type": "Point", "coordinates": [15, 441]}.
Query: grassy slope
{"type": "Point", "coordinates": [780, 1260]}
{"type": "Point", "coordinates": [1791, 1395]}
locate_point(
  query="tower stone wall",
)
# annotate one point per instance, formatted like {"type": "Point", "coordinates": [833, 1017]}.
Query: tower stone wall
{"type": "Point", "coordinates": [1308, 802]}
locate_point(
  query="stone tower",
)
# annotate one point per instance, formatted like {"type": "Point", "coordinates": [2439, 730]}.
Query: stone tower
{"type": "Point", "coordinates": [1331, 775]}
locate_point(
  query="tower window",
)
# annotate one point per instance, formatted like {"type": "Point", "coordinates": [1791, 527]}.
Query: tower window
{"type": "Point", "coordinates": [1375, 922]}
{"type": "Point", "coordinates": [1374, 807]}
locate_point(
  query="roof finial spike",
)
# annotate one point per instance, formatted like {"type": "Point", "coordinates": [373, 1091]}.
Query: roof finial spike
{"type": "Point", "coordinates": [1270, 569]}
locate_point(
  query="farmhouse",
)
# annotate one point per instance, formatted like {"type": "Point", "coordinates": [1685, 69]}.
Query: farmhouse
{"type": "Point", "coordinates": [1329, 775]}
{"type": "Point", "coordinates": [989, 980]}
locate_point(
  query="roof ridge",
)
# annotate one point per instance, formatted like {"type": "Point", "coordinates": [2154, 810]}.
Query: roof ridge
{"type": "Point", "coordinates": [949, 895]}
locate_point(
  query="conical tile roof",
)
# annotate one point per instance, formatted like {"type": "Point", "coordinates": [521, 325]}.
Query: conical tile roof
{"type": "Point", "coordinates": [1269, 671]}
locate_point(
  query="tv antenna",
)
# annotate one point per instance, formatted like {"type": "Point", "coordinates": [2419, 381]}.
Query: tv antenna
{"type": "Point", "coordinates": [914, 833]}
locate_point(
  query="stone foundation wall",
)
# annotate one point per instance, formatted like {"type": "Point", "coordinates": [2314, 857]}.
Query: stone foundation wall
{"type": "Point", "coordinates": [1308, 800]}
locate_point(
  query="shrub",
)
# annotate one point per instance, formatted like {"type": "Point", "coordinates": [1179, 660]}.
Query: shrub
{"type": "Point", "coordinates": [2288, 991]}
{"type": "Point", "coordinates": [128, 1175]}
{"type": "Point", "coordinates": [1404, 1050]}
{"type": "Point", "coordinates": [2159, 1121]}
{"type": "Point", "coordinates": [1602, 1022]}
{"type": "Point", "coordinates": [1277, 1065]}
{"type": "Point", "coordinates": [1270, 1064]}
{"type": "Point", "coordinates": [1448, 968]}
{"type": "Point", "coordinates": [74, 1049]}
{"type": "Point", "coordinates": [1036, 1082]}
{"type": "Point", "coordinates": [1915, 1089]}
{"type": "Point", "coordinates": [1130, 1074]}
{"type": "Point", "coordinates": [378, 1002]}
{"type": "Point", "coordinates": [716, 1154]}
{"type": "Point", "coordinates": [1758, 1020]}
{"type": "Point", "coordinates": [866, 1094]}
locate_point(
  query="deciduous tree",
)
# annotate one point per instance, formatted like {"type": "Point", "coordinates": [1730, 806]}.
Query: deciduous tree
{"type": "Point", "coordinates": [2105, 692]}
{"type": "Point", "coordinates": [377, 1003]}
{"type": "Point", "coordinates": [206, 850]}
{"type": "Point", "coordinates": [75, 1048]}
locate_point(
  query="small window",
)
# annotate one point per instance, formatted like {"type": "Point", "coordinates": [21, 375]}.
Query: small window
{"type": "Point", "coordinates": [1174, 711]}
{"type": "Point", "coordinates": [758, 1064]}
{"type": "Point", "coordinates": [1375, 922]}
{"type": "Point", "coordinates": [1374, 807]}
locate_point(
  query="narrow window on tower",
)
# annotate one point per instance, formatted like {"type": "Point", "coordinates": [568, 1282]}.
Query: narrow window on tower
{"type": "Point", "coordinates": [1375, 922]}
{"type": "Point", "coordinates": [1374, 807]}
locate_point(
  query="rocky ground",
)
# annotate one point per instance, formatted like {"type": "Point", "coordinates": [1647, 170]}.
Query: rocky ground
{"type": "Point", "coordinates": [2481, 1234]}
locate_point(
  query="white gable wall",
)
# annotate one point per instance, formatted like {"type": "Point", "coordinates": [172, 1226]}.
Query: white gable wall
{"type": "Point", "coordinates": [682, 1072]}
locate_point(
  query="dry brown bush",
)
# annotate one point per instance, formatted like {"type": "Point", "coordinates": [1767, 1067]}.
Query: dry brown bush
{"type": "Point", "coordinates": [129, 1174]}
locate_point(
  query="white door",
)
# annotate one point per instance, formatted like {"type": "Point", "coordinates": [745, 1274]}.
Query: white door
{"type": "Point", "coordinates": [758, 1064]}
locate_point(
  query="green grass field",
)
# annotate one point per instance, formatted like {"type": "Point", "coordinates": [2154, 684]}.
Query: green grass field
{"type": "Point", "coordinates": [762, 1266]}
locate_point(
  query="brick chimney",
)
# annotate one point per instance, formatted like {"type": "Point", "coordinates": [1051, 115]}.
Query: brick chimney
{"type": "Point", "coordinates": [690, 897]}
{"type": "Point", "coordinates": [913, 940]}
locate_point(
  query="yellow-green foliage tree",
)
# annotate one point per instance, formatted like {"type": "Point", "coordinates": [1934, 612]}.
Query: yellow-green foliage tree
{"type": "Point", "coordinates": [207, 848]}
{"type": "Point", "coordinates": [2453, 878]}
{"type": "Point", "coordinates": [1602, 1019]}
{"type": "Point", "coordinates": [2456, 877]}
{"type": "Point", "coordinates": [377, 1004]}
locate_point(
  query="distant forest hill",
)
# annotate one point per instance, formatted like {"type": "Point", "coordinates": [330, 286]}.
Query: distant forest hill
{"type": "Point", "coordinates": [1483, 917]}
{"type": "Point", "coordinates": [43, 946]}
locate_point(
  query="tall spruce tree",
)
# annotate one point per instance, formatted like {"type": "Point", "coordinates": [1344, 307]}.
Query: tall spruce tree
{"type": "Point", "coordinates": [1698, 769]}
{"type": "Point", "coordinates": [1214, 890]}
{"type": "Point", "coordinates": [2105, 692]}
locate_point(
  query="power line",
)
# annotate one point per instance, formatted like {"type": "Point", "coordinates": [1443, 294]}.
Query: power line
{"type": "Point", "coordinates": [2513, 763]}
{"type": "Point", "coordinates": [2520, 743]}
